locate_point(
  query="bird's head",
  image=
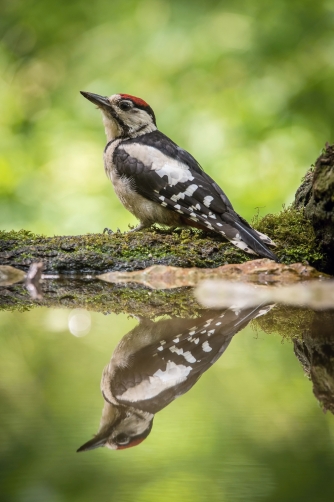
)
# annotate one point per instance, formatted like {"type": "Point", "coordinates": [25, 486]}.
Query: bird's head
{"type": "Point", "coordinates": [123, 115]}
{"type": "Point", "coordinates": [121, 427]}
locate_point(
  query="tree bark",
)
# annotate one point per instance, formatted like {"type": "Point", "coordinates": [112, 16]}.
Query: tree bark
{"type": "Point", "coordinates": [315, 197]}
{"type": "Point", "coordinates": [315, 351]}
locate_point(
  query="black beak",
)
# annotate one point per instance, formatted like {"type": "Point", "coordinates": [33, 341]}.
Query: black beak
{"type": "Point", "coordinates": [100, 101]}
{"type": "Point", "coordinates": [96, 442]}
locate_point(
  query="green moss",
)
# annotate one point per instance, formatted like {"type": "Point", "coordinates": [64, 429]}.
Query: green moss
{"type": "Point", "coordinates": [98, 253]}
{"type": "Point", "coordinates": [95, 253]}
{"type": "Point", "coordinates": [288, 322]}
{"type": "Point", "coordinates": [16, 299]}
{"type": "Point", "coordinates": [102, 297]}
{"type": "Point", "coordinates": [294, 236]}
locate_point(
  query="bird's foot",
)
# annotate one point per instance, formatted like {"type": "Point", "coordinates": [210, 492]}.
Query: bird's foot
{"type": "Point", "coordinates": [111, 232]}
{"type": "Point", "coordinates": [108, 231]}
{"type": "Point", "coordinates": [141, 226]}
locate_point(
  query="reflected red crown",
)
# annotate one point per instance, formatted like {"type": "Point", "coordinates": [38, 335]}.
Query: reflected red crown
{"type": "Point", "coordinates": [135, 442]}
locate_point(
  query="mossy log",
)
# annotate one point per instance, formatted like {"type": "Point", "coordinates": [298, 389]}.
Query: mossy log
{"type": "Point", "coordinates": [303, 233]}
{"type": "Point", "coordinates": [99, 253]}
{"type": "Point", "coordinates": [99, 296]}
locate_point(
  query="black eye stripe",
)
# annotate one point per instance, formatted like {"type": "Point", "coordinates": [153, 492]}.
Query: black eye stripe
{"type": "Point", "coordinates": [113, 113]}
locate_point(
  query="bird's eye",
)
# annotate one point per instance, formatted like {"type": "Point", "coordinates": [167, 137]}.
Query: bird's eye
{"type": "Point", "coordinates": [122, 439]}
{"type": "Point", "coordinates": [125, 105]}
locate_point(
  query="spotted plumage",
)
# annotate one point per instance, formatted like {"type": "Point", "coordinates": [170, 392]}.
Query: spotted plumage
{"type": "Point", "coordinates": [156, 363]}
{"type": "Point", "coordinates": [159, 182]}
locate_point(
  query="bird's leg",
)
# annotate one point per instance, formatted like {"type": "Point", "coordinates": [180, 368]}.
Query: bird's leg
{"type": "Point", "coordinates": [141, 226]}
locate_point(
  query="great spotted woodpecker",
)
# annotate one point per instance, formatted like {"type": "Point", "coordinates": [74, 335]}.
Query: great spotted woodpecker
{"type": "Point", "coordinates": [159, 182]}
{"type": "Point", "coordinates": [154, 364]}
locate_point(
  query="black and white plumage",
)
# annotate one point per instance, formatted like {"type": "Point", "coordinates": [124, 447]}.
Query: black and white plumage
{"type": "Point", "coordinates": [157, 362]}
{"type": "Point", "coordinates": [159, 182]}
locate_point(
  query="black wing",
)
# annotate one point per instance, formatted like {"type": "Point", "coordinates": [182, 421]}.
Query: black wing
{"type": "Point", "coordinates": [132, 167]}
{"type": "Point", "coordinates": [193, 345]}
{"type": "Point", "coordinates": [163, 172]}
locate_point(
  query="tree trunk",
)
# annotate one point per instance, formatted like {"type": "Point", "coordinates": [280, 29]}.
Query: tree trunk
{"type": "Point", "coordinates": [315, 197]}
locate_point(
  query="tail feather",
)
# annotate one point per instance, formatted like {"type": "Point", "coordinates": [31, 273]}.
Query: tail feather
{"type": "Point", "coordinates": [265, 239]}
{"type": "Point", "coordinates": [254, 241]}
{"type": "Point", "coordinates": [227, 223]}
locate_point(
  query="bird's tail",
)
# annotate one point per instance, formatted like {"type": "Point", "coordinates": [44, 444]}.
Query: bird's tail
{"type": "Point", "coordinates": [250, 240]}
{"type": "Point", "coordinates": [236, 230]}
{"type": "Point", "coordinates": [265, 239]}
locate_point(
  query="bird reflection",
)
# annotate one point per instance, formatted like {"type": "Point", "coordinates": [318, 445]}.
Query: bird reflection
{"type": "Point", "coordinates": [157, 362]}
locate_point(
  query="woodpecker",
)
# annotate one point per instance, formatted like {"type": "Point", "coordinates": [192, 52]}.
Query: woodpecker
{"type": "Point", "coordinates": [159, 182]}
{"type": "Point", "coordinates": [157, 362]}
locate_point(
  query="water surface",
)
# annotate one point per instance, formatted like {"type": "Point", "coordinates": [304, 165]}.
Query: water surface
{"type": "Point", "coordinates": [248, 429]}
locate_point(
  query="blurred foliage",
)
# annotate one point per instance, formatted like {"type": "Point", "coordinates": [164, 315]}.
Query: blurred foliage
{"type": "Point", "coordinates": [246, 87]}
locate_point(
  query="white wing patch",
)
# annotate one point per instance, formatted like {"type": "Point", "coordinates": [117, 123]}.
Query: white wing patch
{"type": "Point", "coordinates": [190, 190]}
{"type": "Point", "coordinates": [206, 347]}
{"type": "Point", "coordinates": [181, 195]}
{"type": "Point", "coordinates": [176, 172]}
{"type": "Point", "coordinates": [207, 200]}
{"type": "Point", "coordinates": [187, 355]}
{"type": "Point", "coordinates": [160, 381]}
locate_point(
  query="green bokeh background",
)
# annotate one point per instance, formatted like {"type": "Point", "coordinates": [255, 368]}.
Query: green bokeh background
{"type": "Point", "coordinates": [246, 86]}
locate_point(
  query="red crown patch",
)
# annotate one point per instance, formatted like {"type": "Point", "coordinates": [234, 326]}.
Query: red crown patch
{"type": "Point", "coordinates": [137, 101]}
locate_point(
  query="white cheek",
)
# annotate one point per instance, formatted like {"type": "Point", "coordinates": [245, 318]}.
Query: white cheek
{"type": "Point", "coordinates": [110, 126]}
{"type": "Point", "coordinates": [134, 118]}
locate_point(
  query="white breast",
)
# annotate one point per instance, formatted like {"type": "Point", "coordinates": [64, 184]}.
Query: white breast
{"type": "Point", "coordinates": [108, 157]}
{"type": "Point", "coordinates": [147, 211]}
